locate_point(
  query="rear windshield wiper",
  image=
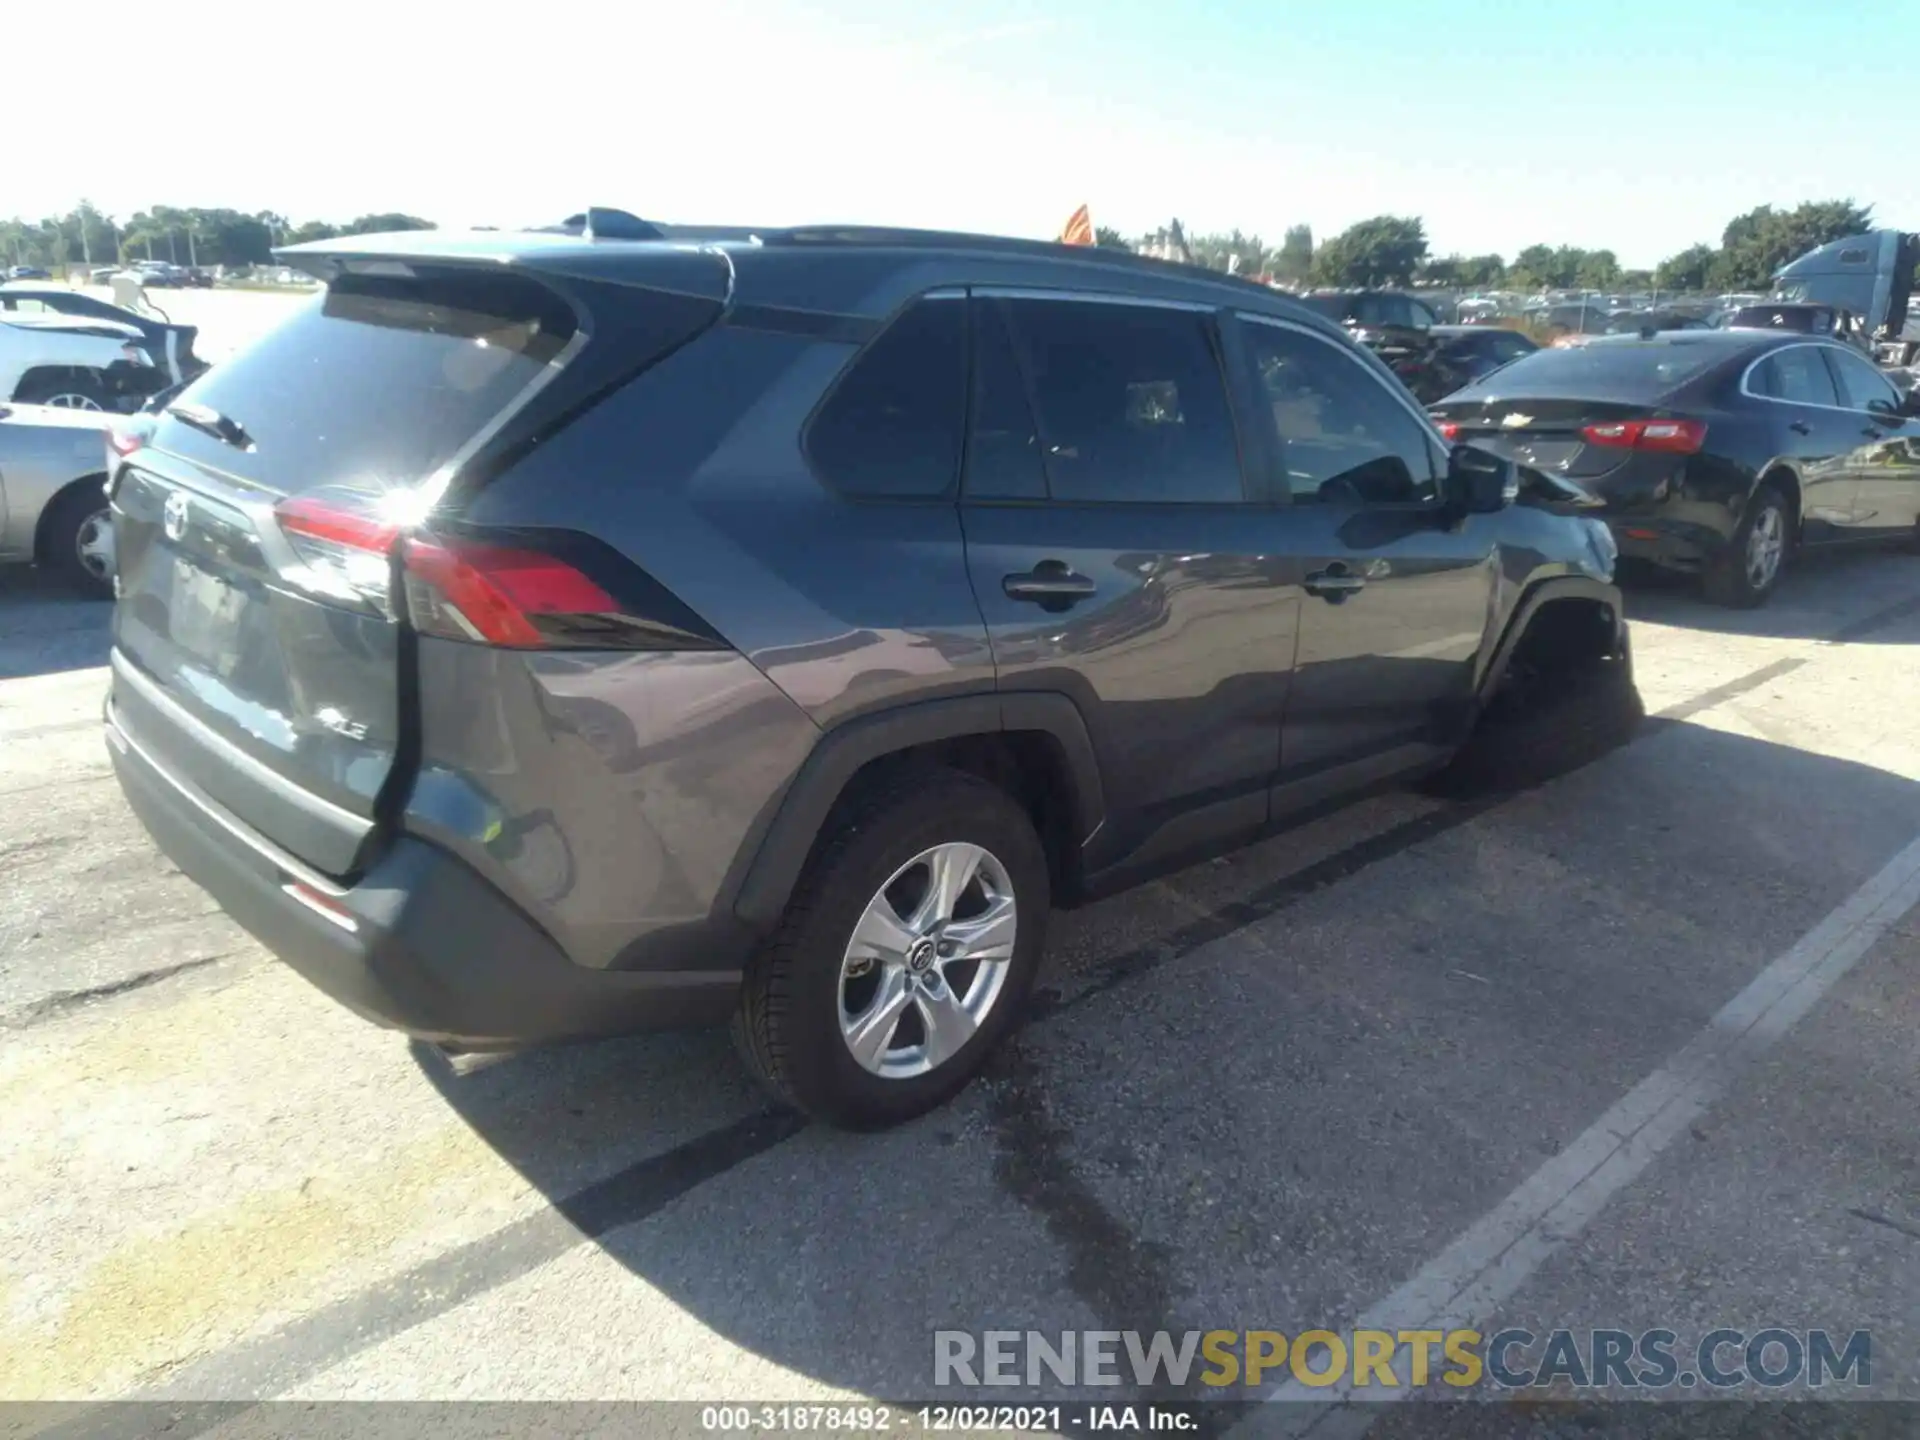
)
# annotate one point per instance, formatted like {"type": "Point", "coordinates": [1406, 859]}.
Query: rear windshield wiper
{"type": "Point", "coordinates": [210, 421]}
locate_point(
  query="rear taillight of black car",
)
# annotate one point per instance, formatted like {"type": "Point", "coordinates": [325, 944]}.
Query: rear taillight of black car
{"type": "Point", "coordinates": [1673, 437]}
{"type": "Point", "coordinates": [521, 591]}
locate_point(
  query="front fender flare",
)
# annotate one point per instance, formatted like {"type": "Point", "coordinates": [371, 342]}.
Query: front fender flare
{"type": "Point", "coordinates": [1537, 595]}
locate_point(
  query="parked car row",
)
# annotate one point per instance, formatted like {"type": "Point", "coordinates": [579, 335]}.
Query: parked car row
{"type": "Point", "coordinates": [168, 345]}
{"type": "Point", "coordinates": [1431, 359]}
{"type": "Point", "coordinates": [1188, 557]}
{"type": "Point", "coordinates": [69, 364]}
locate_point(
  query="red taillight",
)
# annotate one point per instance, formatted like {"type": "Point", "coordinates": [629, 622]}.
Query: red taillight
{"type": "Point", "coordinates": [1449, 429]}
{"type": "Point", "coordinates": [1676, 437]}
{"type": "Point", "coordinates": [125, 437]}
{"type": "Point", "coordinates": [343, 551]}
{"type": "Point", "coordinates": [301, 515]}
{"type": "Point", "coordinates": [457, 588]}
{"type": "Point", "coordinates": [472, 590]}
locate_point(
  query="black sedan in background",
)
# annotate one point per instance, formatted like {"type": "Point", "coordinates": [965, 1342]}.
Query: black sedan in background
{"type": "Point", "coordinates": [1431, 359]}
{"type": "Point", "coordinates": [1713, 452]}
{"type": "Point", "coordinates": [1473, 351]}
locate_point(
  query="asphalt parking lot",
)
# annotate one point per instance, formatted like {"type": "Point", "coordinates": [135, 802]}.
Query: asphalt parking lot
{"type": "Point", "coordinates": [1408, 1051]}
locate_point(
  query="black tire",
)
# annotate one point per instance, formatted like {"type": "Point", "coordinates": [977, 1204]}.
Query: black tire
{"type": "Point", "coordinates": [1727, 580]}
{"type": "Point", "coordinates": [788, 1025]}
{"type": "Point", "coordinates": [67, 518]}
{"type": "Point", "coordinates": [83, 386]}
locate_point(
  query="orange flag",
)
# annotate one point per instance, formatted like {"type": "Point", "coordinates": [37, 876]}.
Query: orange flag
{"type": "Point", "coordinates": [1079, 229]}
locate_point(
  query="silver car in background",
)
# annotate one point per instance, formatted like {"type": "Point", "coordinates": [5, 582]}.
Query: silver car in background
{"type": "Point", "coordinates": [53, 501]}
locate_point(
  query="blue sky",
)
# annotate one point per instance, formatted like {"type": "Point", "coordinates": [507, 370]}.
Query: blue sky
{"type": "Point", "coordinates": [1636, 125]}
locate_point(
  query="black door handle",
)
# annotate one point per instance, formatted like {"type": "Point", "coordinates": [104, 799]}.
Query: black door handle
{"type": "Point", "coordinates": [1052, 583]}
{"type": "Point", "coordinates": [1335, 583]}
{"type": "Point", "coordinates": [1800, 427]}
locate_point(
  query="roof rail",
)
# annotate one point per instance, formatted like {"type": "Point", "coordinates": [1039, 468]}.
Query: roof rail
{"type": "Point", "coordinates": [608, 224]}
{"type": "Point", "coordinates": [878, 235]}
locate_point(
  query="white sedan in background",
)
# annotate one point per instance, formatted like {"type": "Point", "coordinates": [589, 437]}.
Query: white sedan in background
{"type": "Point", "coordinates": [53, 500]}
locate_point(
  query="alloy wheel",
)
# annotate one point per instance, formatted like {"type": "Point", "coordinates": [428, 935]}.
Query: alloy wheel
{"type": "Point", "coordinates": [928, 961]}
{"type": "Point", "coordinates": [72, 400]}
{"type": "Point", "coordinates": [93, 545]}
{"type": "Point", "coordinates": [1766, 543]}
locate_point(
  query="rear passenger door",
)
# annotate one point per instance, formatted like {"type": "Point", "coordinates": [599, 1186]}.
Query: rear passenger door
{"type": "Point", "coordinates": [1809, 426]}
{"type": "Point", "coordinates": [1395, 600]}
{"type": "Point", "coordinates": [1884, 460]}
{"type": "Point", "coordinates": [1110, 544]}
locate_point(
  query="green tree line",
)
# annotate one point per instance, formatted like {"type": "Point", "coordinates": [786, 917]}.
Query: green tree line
{"type": "Point", "coordinates": [1393, 250]}
{"type": "Point", "coordinates": [1383, 250]}
{"type": "Point", "coordinates": [185, 235]}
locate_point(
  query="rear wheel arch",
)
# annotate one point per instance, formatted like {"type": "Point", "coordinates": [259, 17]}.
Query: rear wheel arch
{"type": "Point", "coordinates": [43, 377]}
{"type": "Point", "coordinates": [1035, 746]}
{"type": "Point", "coordinates": [44, 527]}
{"type": "Point", "coordinates": [1786, 480]}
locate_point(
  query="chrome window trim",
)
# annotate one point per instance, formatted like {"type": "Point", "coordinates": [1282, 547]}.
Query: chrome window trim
{"type": "Point", "coordinates": [1092, 297]}
{"type": "Point", "coordinates": [1746, 376]}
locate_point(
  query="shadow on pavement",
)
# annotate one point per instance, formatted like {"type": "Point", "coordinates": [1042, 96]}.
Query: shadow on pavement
{"type": "Point", "coordinates": [45, 628]}
{"type": "Point", "coordinates": [1236, 1120]}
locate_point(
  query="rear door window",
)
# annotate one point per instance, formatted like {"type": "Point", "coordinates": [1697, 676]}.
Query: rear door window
{"type": "Point", "coordinates": [890, 428]}
{"type": "Point", "coordinates": [1129, 402]}
{"type": "Point", "coordinates": [1795, 374]}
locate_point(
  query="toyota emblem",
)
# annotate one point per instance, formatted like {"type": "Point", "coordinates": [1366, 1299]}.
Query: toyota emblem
{"type": "Point", "coordinates": [174, 517]}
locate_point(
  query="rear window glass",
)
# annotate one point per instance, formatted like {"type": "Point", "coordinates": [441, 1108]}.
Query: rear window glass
{"type": "Point", "coordinates": [891, 427]}
{"type": "Point", "coordinates": [1627, 368]}
{"type": "Point", "coordinates": [380, 381]}
{"type": "Point", "coordinates": [1781, 317]}
{"type": "Point", "coordinates": [1334, 307]}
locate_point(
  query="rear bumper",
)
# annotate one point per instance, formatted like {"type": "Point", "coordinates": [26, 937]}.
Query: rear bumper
{"type": "Point", "coordinates": [420, 944]}
{"type": "Point", "coordinates": [1651, 540]}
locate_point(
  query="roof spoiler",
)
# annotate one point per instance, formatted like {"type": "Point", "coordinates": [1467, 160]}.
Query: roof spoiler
{"type": "Point", "coordinates": [598, 222]}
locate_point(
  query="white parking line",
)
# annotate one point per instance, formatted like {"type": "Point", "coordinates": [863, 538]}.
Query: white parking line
{"type": "Point", "coordinates": [1496, 1255]}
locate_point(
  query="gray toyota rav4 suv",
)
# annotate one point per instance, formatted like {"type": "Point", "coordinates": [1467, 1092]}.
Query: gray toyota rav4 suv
{"type": "Point", "coordinates": [562, 633]}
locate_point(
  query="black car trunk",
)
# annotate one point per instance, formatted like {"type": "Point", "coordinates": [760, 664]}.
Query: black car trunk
{"type": "Point", "coordinates": [260, 650]}
{"type": "Point", "coordinates": [1584, 412]}
{"type": "Point", "coordinates": [1547, 435]}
